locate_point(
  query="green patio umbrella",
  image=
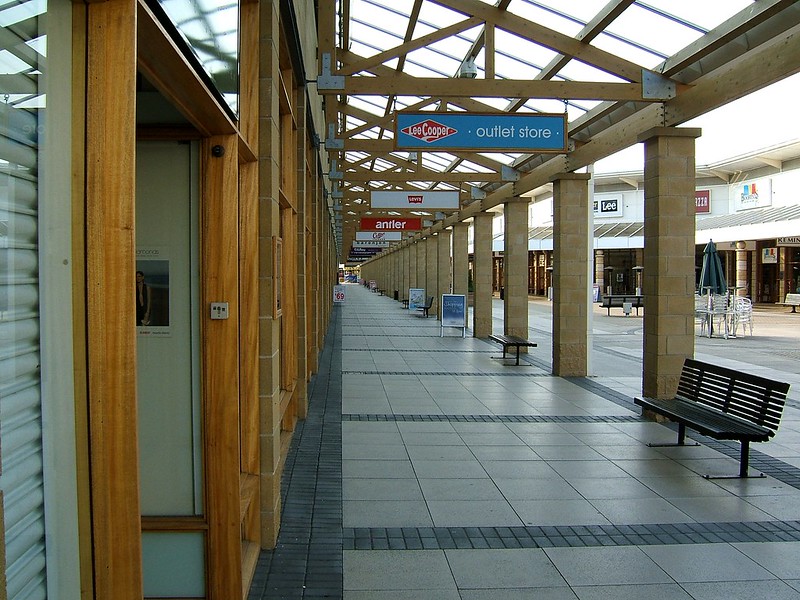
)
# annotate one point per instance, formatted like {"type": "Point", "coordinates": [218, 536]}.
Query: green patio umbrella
{"type": "Point", "coordinates": [712, 275]}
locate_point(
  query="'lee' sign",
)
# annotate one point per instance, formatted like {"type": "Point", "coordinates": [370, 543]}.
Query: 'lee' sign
{"type": "Point", "coordinates": [390, 224]}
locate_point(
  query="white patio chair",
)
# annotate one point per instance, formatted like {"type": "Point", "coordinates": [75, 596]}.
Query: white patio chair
{"type": "Point", "coordinates": [742, 315]}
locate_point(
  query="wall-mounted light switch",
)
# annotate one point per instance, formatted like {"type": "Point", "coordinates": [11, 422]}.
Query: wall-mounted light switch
{"type": "Point", "coordinates": [219, 310]}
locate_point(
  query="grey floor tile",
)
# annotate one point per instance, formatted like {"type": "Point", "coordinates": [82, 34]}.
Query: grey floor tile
{"type": "Point", "coordinates": [615, 488]}
{"type": "Point", "coordinates": [374, 452]}
{"type": "Point", "coordinates": [655, 468]}
{"type": "Point", "coordinates": [742, 590]}
{"type": "Point", "coordinates": [685, 487]}
{"type": "Point", "coordinates": [662, 591]}
{"type": "Point", "coordinates": [780, 558]}
{"type": "Point", "coordinates": [508, 453]}
{"type": "Point", "coordinates": [583, 469]}
{"type": "Point", "coordinates": [695, 563]}
{"type": "Point", "coordinates": [630, 511]}
{"type": "Point", "coordinates": [558, 512]}
{"type": "Point", "coordinates": [449, 469]}
{"type": "Point", "coordinates": [425, 438]}
{"type": "Point", "coordinates": [370, 437]}
{"type": "Point", "coordinates": [537, 593]}
{"type": "Point", "coordinates": [575, 452]}
{"type": "Point", "coordinates": [606, 566]}
{"type": "Point", "coordinates": [381, 489]}
{"type": "Point", "coordinates": [780, 507]}
{"type": "Point", "coordinates": [501, 569]}
{"type": "Point", "coordinates": [458, 453]}
{"type": "Point", "coordinates": [472, 513]}
{"type": "Point", "coordinates": [720, 509]}
{"type": "Point", "coordinates": [460, 489]}
{"type": "Point", "coordinates": [402, 595]}
{"type": "Point", "coordinates": [519, 469]}
{"type": "Point", "coordinates": [377, 570]}
{"type": "Point", "coordinates": [491, 439]}
{"type": "Point", "coordinates": [385, 513]}
{"type": "Point", "coordinates": [377, 468]}
{"type": "Point", "coordinates": [537, 489]}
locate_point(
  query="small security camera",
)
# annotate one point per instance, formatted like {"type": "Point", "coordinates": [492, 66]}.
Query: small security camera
{"type": "Point", "coordinates": [468, 69]}
{"type": "Point", "coordinates": [217, 151]}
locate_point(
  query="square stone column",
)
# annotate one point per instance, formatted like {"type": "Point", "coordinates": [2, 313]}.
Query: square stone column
{"type": "Point", "coordinates": [461, 258]}
{"type": "Point", "coordinates": [572, 237]}
{"type": "Point", "coordinates": [432, 271]}
{"type": "Point", "coordinates": [482, 272]}
{"type": "Point", "coordinates": [422, 264]}
{"type": "Point", "coordinates": [414, 253]}
{"type": "Point", "coordinates": [515, 267]}
{"type": "Point", "coordinates": [668, 275]}
{"type": "Point", "coordinates": [444, 279]}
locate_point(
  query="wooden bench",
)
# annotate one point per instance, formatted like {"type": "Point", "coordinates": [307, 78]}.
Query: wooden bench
{"type": "Point", "coordinates": [426, 307]}
{"type": "Point", "coordinates": [618, 300]}
{"type": "Point", "coordinates": [792, 300]}
{"type": "Point", "coordinates": [511, 341]}
{"type": "Point", "coordinates": [723, 404]}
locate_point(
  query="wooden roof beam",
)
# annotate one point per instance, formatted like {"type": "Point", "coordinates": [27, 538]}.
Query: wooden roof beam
{"type": "Point", "coordinates": [404, 85]}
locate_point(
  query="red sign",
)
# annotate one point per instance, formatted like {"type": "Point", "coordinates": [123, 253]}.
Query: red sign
{"type": "Point", "coordinates": [390, 224]}
{"type": "Point", "coordinates": [429, 131]}
{"type": "Point", "coordinates": [702, 201]}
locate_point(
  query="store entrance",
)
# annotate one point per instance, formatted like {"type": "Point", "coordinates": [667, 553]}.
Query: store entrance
{"type": "Point", "coordinates": [768, 284]}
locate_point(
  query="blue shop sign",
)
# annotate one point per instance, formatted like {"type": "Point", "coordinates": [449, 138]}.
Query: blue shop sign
{"type": "Point", "coordinates": [529, 132]}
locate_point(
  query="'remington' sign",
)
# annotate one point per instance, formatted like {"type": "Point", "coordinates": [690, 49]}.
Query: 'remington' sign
{"type": "Point", "coordinates": [391, 224]}
{"type": "Point", "coordinates": [499, 132]}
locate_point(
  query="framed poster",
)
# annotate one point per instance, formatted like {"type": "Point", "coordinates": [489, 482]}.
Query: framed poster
{"type": "Point", "coordinates": [416, 298]}
{"type": "Point", "coordinates": [454, 312]}
{"type": "Point", "coordinates": [152, 292]}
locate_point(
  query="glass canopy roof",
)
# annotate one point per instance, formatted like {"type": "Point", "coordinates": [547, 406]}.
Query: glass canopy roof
{"type": "Point", "coordinates": [597, 45]}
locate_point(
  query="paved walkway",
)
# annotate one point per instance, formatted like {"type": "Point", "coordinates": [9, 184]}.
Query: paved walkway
{"type": "Point", "coordinates": [429, 470]}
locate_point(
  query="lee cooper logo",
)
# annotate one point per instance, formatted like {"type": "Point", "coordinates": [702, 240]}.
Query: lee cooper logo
{"type": "Point", "coordinates": [429, 131]}
{"type": "Point", "coordinates": [415, 199]}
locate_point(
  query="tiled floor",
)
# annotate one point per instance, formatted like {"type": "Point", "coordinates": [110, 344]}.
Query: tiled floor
{"type": "Point", "coordinates": [427, 469]}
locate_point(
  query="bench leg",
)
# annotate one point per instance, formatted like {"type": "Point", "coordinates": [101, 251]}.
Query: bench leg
{"type": "Point", "coordinates": [681, 439]}
{"type": "Point", "coordinates": [517, 354]}
{"type": "Point", "coordinates": [744, 466]}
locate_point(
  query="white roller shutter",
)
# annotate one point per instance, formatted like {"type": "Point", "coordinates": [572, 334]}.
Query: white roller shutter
{"type": "Point", "coordinates": [20, 377]}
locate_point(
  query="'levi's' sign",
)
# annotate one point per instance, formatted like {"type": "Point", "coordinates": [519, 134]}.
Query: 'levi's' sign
{"type": "Point", "coordinates": [438, 200]}
{"type": "Point", "coordinates": [391, 224]}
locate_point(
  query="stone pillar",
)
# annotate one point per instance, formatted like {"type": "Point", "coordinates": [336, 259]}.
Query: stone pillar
{"type": "Point", "coordinates": [432, 272]}
{"type": "Point", "coordinates": [741, 269]}
{"type": "Point", "coordinates": [668, 276]}
{"type": "Point", "coordinates": [599, 269]}
{"type": "Point", "coordinates": [482, 273]}
{"type": "Point", "coordinates": [572, 248]}
{"type": "Point", "coordinates": [404, 285]}
{"type": "Point", "coordinates": [413, 253]}
{"type": "Point", "coordinates": [445, 280]}
{"type": "Point", "coordinates": [461, 258]}
{"type": "Point", "coordinates": [422, 263]}
{"type": "Point", "coordinates": [515, 267]}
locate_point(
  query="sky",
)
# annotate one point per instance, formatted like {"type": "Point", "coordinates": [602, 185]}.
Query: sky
{"type": "Point", "coordinates": [761, 120]}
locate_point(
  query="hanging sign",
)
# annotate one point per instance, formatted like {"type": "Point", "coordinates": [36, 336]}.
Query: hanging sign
{"type": "Point", "coordinates": [391, 224]}
{"type": "Point", "coordinates": [371, 244]}
{"type": "Point", "coordinates": [501, 132]}
{"type": "Point", "coordinates": [414, 200]}
{"type": "Point", "coordinates": [389, 236]}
